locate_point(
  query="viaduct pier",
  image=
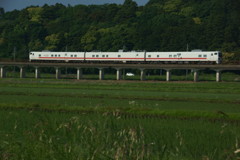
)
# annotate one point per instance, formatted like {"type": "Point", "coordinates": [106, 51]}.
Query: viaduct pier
{"type": "Point", "coordinates": [118, 67]}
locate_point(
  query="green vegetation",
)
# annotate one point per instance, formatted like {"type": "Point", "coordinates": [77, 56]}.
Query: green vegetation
{"type": "Point", "coordinates": [161, 25]}
{"type": "Point", "coordinates": [68, 119]}
{"type": "Point", "coordinates": [93, 136]}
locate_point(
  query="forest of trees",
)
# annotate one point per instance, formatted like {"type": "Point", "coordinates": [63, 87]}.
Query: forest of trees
{"type": "Point", "coordinates": [160, 25]}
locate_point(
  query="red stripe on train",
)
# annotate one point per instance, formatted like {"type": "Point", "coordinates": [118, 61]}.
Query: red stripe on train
{"type": "Point", "coordinates": [61, 58]}
{"type": "Point", "coordinates": [177, 58]}
{"type": "Point", "coordinates": [121, 58]}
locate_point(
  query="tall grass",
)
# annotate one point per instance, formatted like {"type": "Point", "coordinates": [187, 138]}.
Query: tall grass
{"type": "Point", "coordinates": [110, 136]}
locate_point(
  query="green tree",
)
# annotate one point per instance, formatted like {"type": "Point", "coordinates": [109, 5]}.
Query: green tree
{"type": "Point", "coordinates": [1, 12]}
{"type": "Point", "coordinates": [52, 42]}
{"type": "Point", "coordinates": [88, 41]}
{"type": "Point", "coordinates": [35, 45]}
{"type": "Point", "coordinates": [35, 14]}
{"type": "Point", "coordinates": [127, 11]}
{"type": "Point", "coordinates": [161, 25]}
{"type": "Point", "coordinates": [172, 5]}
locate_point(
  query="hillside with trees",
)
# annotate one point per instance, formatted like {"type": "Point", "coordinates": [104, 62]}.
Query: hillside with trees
{"type": "Point", "coordinates": [160, 25]}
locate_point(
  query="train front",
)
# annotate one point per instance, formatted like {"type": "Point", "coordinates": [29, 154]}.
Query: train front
{"type": "Point", "coordinates": [33, 56]}
{"type": "Point", "coordinates": [219, 61]}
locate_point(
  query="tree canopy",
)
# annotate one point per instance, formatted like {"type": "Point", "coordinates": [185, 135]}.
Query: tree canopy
{"type": "Point", "coordinates": [160, 25]}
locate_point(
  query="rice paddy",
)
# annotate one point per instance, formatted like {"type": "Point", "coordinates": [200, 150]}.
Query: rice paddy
{"type": "Point", "coordinates": [69, 119]}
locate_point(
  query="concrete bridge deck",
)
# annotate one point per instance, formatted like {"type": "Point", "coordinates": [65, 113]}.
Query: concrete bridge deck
{"type": "Point", "coordinates": [133, 66]}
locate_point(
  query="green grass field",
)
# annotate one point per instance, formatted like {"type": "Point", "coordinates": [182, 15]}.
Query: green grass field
{"type": "Point", "coordinates": [70, 119]}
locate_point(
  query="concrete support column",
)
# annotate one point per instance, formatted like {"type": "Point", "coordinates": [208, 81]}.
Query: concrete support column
{"type": "Point", "coordinates": [168, 75]}
{"type": "Point", "coordinates": [58, 73]}
{"type": "Point", "coordinates": [2, 72]}
{"type": "Point", "coordinates": [79, 73]}
{"type": "Point", "coordinates": [37, 73]}
{"type": "Point", "coordinates": [119, 73]}
{"type": "Point", "coordinates": [143, 75]}
{"type": "Point", "coordinates": [22, 72]}
{"type": "Point", "coordinates": [195, 75]}
{"type": "Point", "coordinates": [101, 73]}
{"type": "Point", "coordinates": [218, 75]}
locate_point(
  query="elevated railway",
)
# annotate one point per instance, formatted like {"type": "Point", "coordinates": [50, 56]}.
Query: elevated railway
{"type": "Point", "coordinates": [218, 68]}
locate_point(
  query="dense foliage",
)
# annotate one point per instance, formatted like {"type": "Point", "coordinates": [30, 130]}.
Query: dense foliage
{"type": "Point", "coordinates": [160, 25]}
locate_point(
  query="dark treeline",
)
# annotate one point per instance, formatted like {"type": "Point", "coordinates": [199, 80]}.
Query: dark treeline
{"type": "Point", "coordinates": [161, 25]}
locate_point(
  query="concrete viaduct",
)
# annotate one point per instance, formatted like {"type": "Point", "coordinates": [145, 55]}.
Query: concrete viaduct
{"type": "Point", "coordinates": [118, 67]}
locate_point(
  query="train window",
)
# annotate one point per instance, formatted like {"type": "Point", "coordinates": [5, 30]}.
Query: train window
{"type": "Point", "coordinates": [39, 55]}
{"type": "Point", "coordinates": [199, 55]}
{"type": "Point", "coordinates": [106, 55]}
{"type": "Point", "coordinates": [75, 55]}
{"type": "Point", "coordinates": [157, 56]}
{"type": "Point", "coordinates": [175, 56]}
{"type": "Point", "coordinates": [212, 54]}
{"type": "Point", "coordinates": [119, 56]}
{"type": "Point", "coordinates": [149, 56]}
{"type": "Point", "coordinates": [170, 56]}
{"type": "Point", "coordinates": [93, 55]}
{"type": "Point", "coordinates": [205, 55]}
{"type": "Point", "coordinates": [137, 55]}
{"type": "Point", "coordinates": [71, 55]}
{"type": "Point", "coordinates": [59, 55]}
{"type": "Point", "coordinates": [103, 55]}
{"type": "Point", "coordinates": [97, 56]}
{"type": "Point", "coordinates": [66, 55]}
{"type": "Point", "coordinates": [52, 55]}
{"type": "Point", "coordinates": [215, 53]}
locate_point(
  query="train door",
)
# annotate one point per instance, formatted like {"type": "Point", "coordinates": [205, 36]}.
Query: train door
{"type": "Point", "coordinates": [212, 57]}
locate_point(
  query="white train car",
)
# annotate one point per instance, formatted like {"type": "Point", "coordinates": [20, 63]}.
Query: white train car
{"type": "Point", "coordinates": [175, 57]}
{"type": "Point", "coordinates": [56, 56]}
{"type": "Point", "coordinates": [128, 57]}
{"type": "Point", "coordinates": [115, 56]}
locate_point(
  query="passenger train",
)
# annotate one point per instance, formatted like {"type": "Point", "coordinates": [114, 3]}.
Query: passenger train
{"type": "Point", "coordinates": [195, 56]}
